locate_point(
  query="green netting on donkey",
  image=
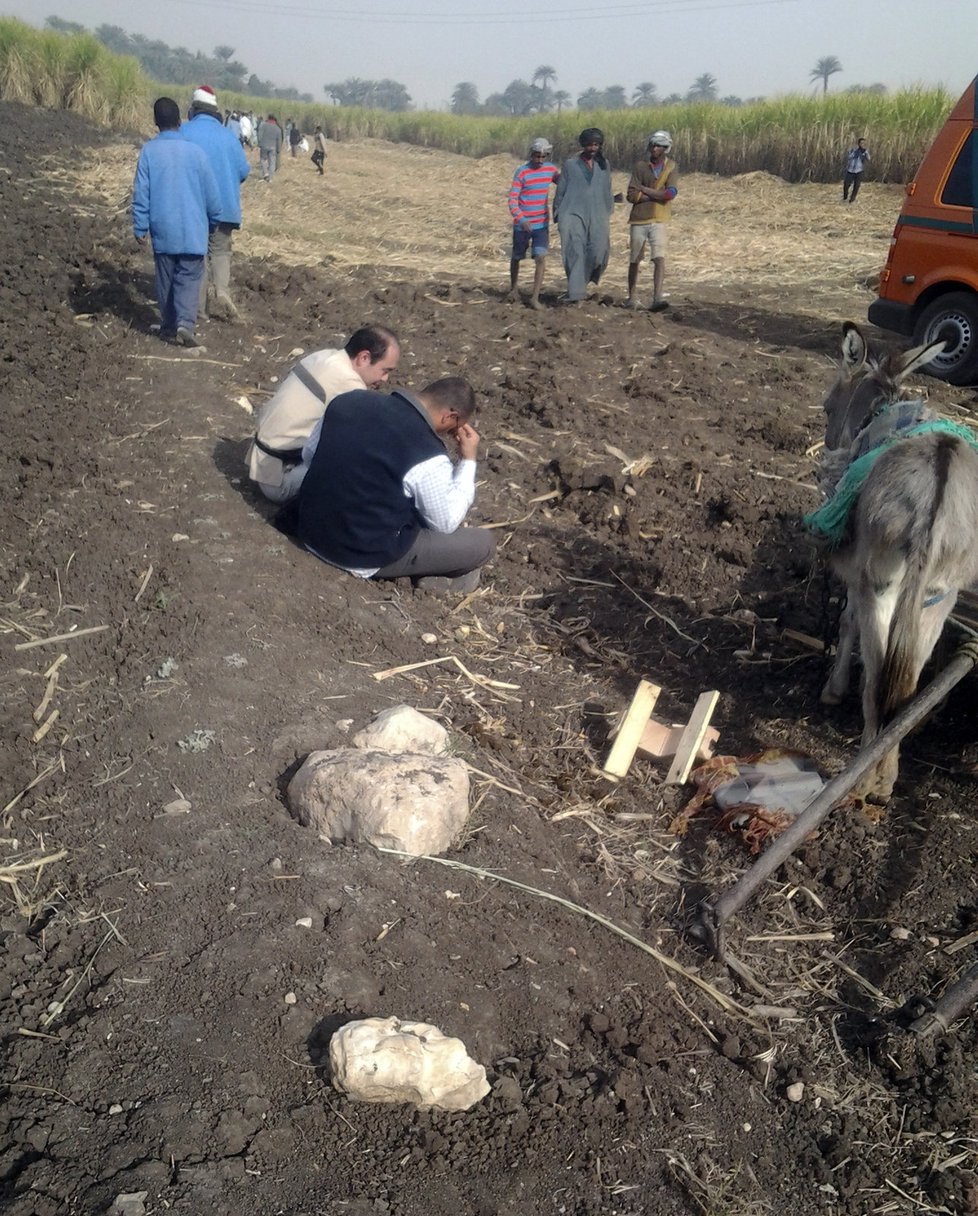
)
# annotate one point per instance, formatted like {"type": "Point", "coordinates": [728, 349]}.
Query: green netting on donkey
{"type": "Point", "coordinates": [828, 522]}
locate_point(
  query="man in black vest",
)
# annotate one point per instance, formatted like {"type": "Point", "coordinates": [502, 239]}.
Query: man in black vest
{"type": "Point", "coordinates": [382, 499]}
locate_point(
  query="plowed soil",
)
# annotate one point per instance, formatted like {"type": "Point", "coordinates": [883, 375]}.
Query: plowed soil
{"type": "Point", "coordinates": [166, 1016]}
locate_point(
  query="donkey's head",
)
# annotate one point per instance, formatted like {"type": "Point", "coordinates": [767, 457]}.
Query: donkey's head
{"type": "Point", "coordinates": [866, 381]}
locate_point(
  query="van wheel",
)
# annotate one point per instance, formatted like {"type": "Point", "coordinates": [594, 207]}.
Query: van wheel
{"type": "Point", "coordinates": [953, 317]}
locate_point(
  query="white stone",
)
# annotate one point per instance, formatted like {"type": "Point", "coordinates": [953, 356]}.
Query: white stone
{"type": "Point", "coordinates": [386, 1060]}
{"type": "Point", "coordinates": [129, 1203]}
{"type": "Point", "coordinates": [415, 804]}
{"type": "Point", "coordinates": [795, 1093]}
{"type": "Point", "coordinates": [403, 729]}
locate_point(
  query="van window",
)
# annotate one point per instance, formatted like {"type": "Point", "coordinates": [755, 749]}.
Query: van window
{"type": "Point", "coordinates": [959, 190]}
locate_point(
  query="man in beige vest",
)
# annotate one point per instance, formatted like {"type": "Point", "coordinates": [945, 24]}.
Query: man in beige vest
{"type": "Point", "coordinates": [287, 419]}
{"type": "Point", "coordinates": [653, 185]}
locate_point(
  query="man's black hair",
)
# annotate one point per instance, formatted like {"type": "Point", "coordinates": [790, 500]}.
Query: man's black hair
{"type": "Point", "coordinates": [376, 339]}
{"type": "Point", "coordinates": [451, 393]}
{"type": "Point", "coordinates": [166, 114]}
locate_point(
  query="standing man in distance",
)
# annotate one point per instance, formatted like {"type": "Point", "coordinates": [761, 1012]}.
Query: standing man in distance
{"type": "Point", "coordinates": [288, 418]}
{"type": "Point", "coordinates": [528, 205]}
{"type": "Point", "coordinates": [230, 165]}
{"type": "Point", "coordinates": [269, 147]}
{"type": "Point", "coordinates": [319, 149]}
{"type": "Point", "coordinates": [654, 184]}
{"type": "Point", "coordinates": [295, 138]}
{"type": "Point", "coordinates": [175, 200]}
{"type": "Point", "coordinates": [382, 499]}
{"type": "Point", "coordinates": [583, 204]}
{"type": "Point", "coordinates": [852, 178]}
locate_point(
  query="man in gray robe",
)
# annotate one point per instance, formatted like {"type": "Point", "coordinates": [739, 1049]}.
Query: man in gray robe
{"type": "Point", "coordinates": [583, 204]}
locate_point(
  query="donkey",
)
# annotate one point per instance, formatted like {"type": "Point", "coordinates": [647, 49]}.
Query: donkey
{"type": "Point", "coordinates": [909, 540]}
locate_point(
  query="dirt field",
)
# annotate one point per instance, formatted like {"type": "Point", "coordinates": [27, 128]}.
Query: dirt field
{"type": "Point", "coordinates": [166, 1017]}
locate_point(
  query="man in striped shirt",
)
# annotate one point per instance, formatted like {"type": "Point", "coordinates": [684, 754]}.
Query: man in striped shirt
{"type": "Point", "coordinates": [528, 205]}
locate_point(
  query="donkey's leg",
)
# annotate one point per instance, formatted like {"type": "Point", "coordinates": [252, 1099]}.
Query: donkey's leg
{"type": "Point", "coordinates": [929, 627]}
{"type": "Point", "coordinates": [837, 684]}
{"type": "Point", "coordinates": [875, 605]}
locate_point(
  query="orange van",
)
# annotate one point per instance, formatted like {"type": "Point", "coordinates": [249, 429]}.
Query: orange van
{"type": "Point", "coordinates": [929, 285]}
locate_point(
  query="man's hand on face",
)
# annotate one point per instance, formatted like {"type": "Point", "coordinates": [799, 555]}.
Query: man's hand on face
{"type": "Point", "coordinates": [467, 438]}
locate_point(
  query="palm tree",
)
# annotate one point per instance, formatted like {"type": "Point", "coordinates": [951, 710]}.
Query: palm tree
{"type": "Point", "coordinates": [615, 97]}
{"type": "Point", "coordinates": [826, 67]}
{"type": "Point", "coordinates": [465, 98]}
{"type": "Point", "coordinates": [644, 95]}
{"type": "Point", "coordinates": [561, 98]}
{"type": "Point", "coordinates": [545, 75]}
{"type": "Point", "coordinates": [590, 99]}
{"type": "Point", "coordinates": [704, 88]}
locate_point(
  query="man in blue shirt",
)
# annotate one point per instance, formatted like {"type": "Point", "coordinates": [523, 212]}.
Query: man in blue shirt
{"type": "Point", "coordinates": [223, 149]}
{"type": "Point", "coordinates": [852, 178]}
{"type": "Point", "coordinates": [174, 200]}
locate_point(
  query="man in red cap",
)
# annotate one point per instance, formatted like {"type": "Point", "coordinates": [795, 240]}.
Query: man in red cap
{"type": "Point", "coordinates": [227, 159]}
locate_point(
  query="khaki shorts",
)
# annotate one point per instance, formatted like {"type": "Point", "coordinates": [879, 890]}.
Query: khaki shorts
{"type": "Point", "coordinates": [653, 235]}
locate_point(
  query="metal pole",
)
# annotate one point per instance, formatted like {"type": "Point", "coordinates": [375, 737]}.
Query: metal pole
{"type": "Point", "coordinates": [714, 915]}
{"type": "Point", "coordinates": [952, 1004]}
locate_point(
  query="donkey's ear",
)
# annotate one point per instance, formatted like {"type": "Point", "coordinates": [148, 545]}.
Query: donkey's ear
{"type": "Point", "coordinates": [910, 360]}
{"type": "Point", "coordinates": [854, 349]}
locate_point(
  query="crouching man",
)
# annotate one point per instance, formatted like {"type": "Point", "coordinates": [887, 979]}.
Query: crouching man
{"type": "Point", "coordinates": [381, 498]}
{"type": "Point", "coordinates": [287, 419]}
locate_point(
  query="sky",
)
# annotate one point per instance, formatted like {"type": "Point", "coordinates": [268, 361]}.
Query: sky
{"type": "Point", "coordinates": [752, 47]}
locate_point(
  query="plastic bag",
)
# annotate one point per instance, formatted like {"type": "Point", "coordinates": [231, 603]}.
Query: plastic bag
{"type": "Point", "coordinates": [757, 796]}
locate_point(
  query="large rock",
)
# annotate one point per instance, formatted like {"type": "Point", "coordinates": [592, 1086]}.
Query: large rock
{"type": "Point", "coordinates": [385, 1060]}
{"type": "Point", "coordinates": [417, 804]}
{"type": "Point", "coordinates": [402, 729]}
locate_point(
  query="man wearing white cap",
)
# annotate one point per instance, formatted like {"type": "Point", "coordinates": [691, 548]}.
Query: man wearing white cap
{"type": "Point", "coordinates": [653, 185]}
{"type": "Point", "coordinates": [230, 166]}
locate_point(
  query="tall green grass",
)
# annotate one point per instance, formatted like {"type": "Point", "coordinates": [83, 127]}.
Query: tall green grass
{"type": "Point", "coordinates": [797, 138]}
{"type": "Point", "coordinates": [70, 72]}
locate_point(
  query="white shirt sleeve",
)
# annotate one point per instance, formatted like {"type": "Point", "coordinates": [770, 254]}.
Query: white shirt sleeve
{"type": "Point", "coordinates": [442, 492]}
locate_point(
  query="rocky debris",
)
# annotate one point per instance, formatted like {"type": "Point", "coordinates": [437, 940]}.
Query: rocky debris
{"type": "Point", "coordinates": [131, 1204]}
{"type": "Point", "coordinates": [403, 729]}
{"type": "Point", "coordinates": [414, 803]}
{"type": "Point", "coordinates": [386, 1060]}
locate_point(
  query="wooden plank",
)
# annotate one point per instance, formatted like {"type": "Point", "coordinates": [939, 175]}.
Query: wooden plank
{"type": "Point", "coordinates": [659, 741]}
{"type": "Point", "coordinates": [630, 732]}
{"type": "Point", "coordinates": [693, 736]}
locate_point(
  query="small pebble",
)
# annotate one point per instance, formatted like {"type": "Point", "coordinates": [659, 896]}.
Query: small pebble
{"type": "Point", "coordinates": [115, 1109]}
{"type": "Point", "coordinates": [795, 1093]}
{"type": "Point", "coordinates": [304, 922]}
{"type": "Point", "coordinates": [275, 865]}
{"type": "Point", "coordinates": [429, 638]}
{"type": "Point", "coordinates": [900, 935]}
{"type": "Point", "coordinates": [291, 998]}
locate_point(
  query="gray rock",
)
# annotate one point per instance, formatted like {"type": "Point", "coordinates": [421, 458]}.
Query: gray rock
{"type": "Point", "coordinates": [416, 804]}
{"type": "Point", "coordinates": [386, 1060]}
{"type": "Point", "coordinates": [403, 729]}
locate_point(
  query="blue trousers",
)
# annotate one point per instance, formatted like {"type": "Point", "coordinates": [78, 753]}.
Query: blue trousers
{"type": "Point", "coordinates": [178, 277]}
